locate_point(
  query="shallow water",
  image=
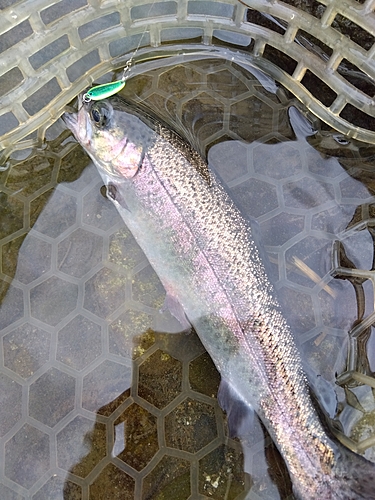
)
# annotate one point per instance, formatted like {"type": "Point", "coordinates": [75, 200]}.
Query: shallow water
{"type": "Point", "coordinates": [93, 399]}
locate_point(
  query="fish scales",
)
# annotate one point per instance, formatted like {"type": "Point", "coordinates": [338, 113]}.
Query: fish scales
{"type": "Point", "coordinates": [253, 331]}
{"type": "Point", "coordinates": [207, 258]}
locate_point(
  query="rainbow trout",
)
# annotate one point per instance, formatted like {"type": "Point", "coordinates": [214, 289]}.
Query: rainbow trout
{"type": "Point", "coordinates": [204, 253]}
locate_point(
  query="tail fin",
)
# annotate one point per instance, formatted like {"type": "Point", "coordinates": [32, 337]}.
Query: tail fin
{"type": "Point", "coordinates": [355, 475]}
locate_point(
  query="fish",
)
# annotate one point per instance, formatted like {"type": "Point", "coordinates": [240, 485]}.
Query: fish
{"type": "Point", "coordinates": [211, 264]}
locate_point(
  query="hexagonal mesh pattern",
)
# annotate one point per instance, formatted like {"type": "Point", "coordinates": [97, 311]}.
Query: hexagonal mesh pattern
{"type": "Point", "coordinates": [92, 398]}
{"type": "Point", "coordinates": [40, 75]}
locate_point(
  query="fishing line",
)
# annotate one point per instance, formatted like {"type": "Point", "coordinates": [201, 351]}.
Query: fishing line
{"type": "Point", "coordinates": [105, 90]}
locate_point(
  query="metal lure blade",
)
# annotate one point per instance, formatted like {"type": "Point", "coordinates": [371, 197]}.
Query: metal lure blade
{"type": "Point", "coordinates": [103, 91]}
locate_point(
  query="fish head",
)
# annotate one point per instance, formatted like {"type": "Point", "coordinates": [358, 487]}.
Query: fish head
{"type": "Point", "coordinates": [114, 137]}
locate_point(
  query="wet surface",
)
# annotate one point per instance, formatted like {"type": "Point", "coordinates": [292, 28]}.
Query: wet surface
{"type": "Point", "coordinates": [93, 399]}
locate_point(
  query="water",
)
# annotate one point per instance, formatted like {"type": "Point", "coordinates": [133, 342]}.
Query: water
{"type": "Point", "coordinates": [94, 396]}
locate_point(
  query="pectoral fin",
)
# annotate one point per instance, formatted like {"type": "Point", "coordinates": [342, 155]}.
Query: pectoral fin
{"type": "Point", "coordinates": [113, 193]}
{"type": "Point", "coordinates": [239, 413]}
{"type": "Point", "coordinates": [172, 318]}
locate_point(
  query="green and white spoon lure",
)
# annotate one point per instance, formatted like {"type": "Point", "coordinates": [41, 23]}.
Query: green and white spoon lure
{"type": "Point", "coordinates": [105, 90]}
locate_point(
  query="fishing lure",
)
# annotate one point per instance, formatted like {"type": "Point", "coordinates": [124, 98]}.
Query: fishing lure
{"type": "Point", "coordinates": [103, 91]}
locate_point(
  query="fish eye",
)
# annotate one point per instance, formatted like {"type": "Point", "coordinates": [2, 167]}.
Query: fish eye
{"type": "Point", "coordinates": [100, 114]}
{"type": "Point", "coordinates": [95, 115]}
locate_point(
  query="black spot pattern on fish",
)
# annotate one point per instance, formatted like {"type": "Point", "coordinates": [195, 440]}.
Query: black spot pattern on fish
{"type": "Point", "coordinates": [190, 154]}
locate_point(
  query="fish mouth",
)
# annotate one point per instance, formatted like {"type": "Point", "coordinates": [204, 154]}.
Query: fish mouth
{"type": "Point", "coordinates": [71, 121]}
{"type": "Point", "coordinates": [79, 124]}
